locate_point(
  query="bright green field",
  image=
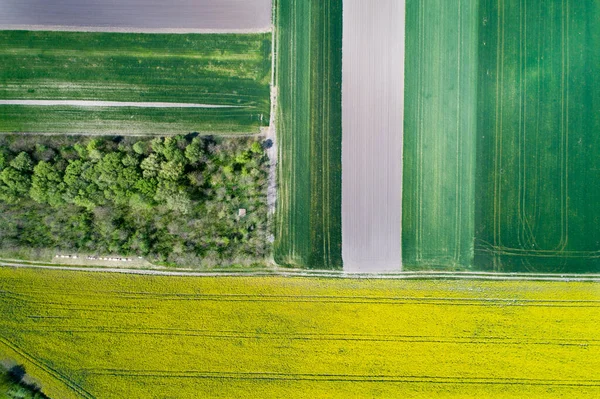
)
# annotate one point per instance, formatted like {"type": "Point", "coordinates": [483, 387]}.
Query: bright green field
{"type": "Point", "coordinates": [309, 131]}
{"type": "Point", "coordinates": [122, 120]}
{"type": "Point", "coordinates": [538, 166]}
{"type": "Point", "coordinates": [218, 69]}
{"type": "Point", "coordinates": [439, 133]}
{"type": "Point", "coordinates": [502, 135]}
{"type": "Point", "coordinates": [102, 335]}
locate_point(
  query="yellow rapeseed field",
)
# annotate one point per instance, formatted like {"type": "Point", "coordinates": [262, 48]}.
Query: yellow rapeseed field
{"type": "Point", "coordinates": [102, 335]}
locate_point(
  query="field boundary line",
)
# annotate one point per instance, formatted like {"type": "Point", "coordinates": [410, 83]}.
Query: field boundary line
{"type": "Point", "coordinates": [121, 134]}
{"type": "Point", "coordinates": [71, 28]}
{"type": "Point", "coordinates": [433, 275]}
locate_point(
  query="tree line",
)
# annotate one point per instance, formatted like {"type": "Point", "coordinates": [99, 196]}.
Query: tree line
{"type": "Point", "coordinates": [172, 199]}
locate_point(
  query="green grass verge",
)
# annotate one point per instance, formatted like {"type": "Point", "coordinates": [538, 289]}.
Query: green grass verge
{"type": "Point", "coordinates": [537, 165]}
{"type": "Point", "coordinates": [128, 120]}
{"type": "Point", "coordinates": [309, 129]}
{"type": "Point", "coordinates": [107, 335]}
{"type": "Point", "coordinates": [224, 69]}
{"type": "Point", "coordinates": [439, 133]}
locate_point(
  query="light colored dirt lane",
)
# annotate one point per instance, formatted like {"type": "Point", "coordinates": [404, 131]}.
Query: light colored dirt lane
{"type": "Point", "coordinates": [372, 98]}
{"type": "Point", "coordinates": [286, 272]}
{"type": "Point", "coordinates": [86, 103]}
{"type": "Point", "coordinates": [173, 16]}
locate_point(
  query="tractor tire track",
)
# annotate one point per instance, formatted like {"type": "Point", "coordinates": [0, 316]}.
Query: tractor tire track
{"type": "Point", "coordinates": [364, 378]}
{"type": "Point", "coordinates": [48, 369]}
{"type": "Point", "coordinates": [233, 334]}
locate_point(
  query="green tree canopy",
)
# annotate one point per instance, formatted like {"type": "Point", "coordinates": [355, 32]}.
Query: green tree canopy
{"type": "Point", "coordinates": [195, 150]}
{"type": "Point", "coordinates": [47, 185]}
{"type": "Point", "coordinates": [22, 162]}
{"type": "Point", "coordinates": [150, 166]}
{"type": "Point", "coordinates": [16, 181]}
{"type": "Point", "coordinates": [172, 170]}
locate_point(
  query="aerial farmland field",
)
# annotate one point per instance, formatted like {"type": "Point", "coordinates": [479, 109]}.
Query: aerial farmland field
{"type": "Point", "coordinates": [170, 170]}
{"type": "Point", "coordinates": [228, 70]}
{"type": "Point", "coordinates": [537, 162]}
{"type": "Point", "coordinates": [501, 136]}
{"type": "Point", "coordinates": [308, 79]}
{"type": "Point", "coordinates": [372, 91]}
{"type": "Point", "coordinates": [439, 133]}
{"type": "Point", "coordinates": [103, 335]}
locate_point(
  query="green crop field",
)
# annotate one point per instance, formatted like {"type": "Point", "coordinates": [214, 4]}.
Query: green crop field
{"type": "Point", "coordinates": [309, 130]}
{"type": "Point", "coordinates": [439, 133]}
{"type": "Point", "coordinates": [218, 69]}
{"type": "Point", "coordinates": [126, 120]}
{"type": "Point", "coordinates": [501, 135]}
{"type": "Point", "coordinates": [106, 335]}
{"type": "Point", "coordinates": [538, 168]}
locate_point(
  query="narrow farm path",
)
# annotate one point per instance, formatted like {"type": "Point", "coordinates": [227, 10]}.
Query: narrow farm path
{"type": "Point", "coordinates": [285, 272]}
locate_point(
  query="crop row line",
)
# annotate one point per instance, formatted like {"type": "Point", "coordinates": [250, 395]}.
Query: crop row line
{"type": "Point", "coordinates": [342, 377]}
{"type": "Point", "coordinates": [61, 307]}
{"type": "Point", "coordinates": [358, 302]}
{"type": "Point", "coordinates": [335, 298]}
{"type": "Point", "coordinates": [312, 337]}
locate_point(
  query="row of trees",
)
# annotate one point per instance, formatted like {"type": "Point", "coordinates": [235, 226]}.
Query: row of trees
{"type": "Point", "coordinates": [174, 199]}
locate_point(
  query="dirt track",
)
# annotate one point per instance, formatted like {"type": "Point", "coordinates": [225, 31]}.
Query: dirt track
{"type": "Point", "coordinates": [437, 275]}
{"type": "Point", "coordinates": [372, 98]}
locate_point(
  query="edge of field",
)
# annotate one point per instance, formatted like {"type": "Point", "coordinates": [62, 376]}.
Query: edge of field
{"type": "Point", "coordinates": [295, 272]}
{"type": "Point", "coordinates": [70, 28]}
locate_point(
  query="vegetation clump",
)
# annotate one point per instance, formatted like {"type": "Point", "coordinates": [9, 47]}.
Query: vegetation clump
{"type": "Point", "coordinates": [13, 385]}
{"type": "Point", "coordinates": [173, 200]}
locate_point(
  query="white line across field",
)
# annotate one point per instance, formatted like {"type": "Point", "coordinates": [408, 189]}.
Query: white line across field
{"type": "Point", "coordinates": [372, 127]}
{"type": "Point", "coordinates": [139, 134]}
{"type": "Point", "coordinates": [87, 103]}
